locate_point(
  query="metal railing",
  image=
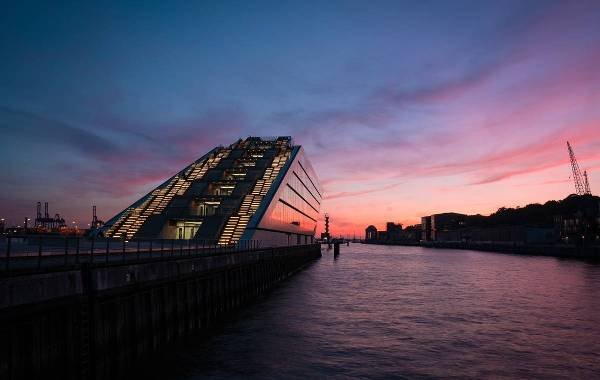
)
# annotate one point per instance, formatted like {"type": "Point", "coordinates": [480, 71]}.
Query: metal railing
{"type": "Point", "coordinates": [18, 253]}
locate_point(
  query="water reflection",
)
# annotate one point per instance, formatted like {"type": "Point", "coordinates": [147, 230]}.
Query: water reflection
{"type": "Point", "coordinates": [389, 312]}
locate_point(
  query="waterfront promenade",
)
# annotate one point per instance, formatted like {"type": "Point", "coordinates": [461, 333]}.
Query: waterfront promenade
{"type": "Point", "coordinates": [30, 253]}
{"type": "Point", "coordinates": [91, 315]}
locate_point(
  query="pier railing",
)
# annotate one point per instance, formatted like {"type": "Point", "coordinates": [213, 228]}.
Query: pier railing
{"type": "Point", "coordinates": [43, 253]}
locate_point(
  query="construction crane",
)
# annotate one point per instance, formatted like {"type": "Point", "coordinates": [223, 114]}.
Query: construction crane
{"type": "Point", "coordinates": [47, 221]}
{"type": "Point", "coordinates": [96, 223]}
{"type": "Point", "coordinates": [582, 185]}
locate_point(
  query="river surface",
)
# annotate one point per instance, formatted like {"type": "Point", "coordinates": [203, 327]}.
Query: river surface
{"type": "Point", "coordinates": [386, 312]}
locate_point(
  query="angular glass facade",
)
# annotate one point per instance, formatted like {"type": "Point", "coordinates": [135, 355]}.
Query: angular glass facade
{"type": "Point", "coordinates": [256, 189]}
{"type": "Point", "coordinates": [293, 207]}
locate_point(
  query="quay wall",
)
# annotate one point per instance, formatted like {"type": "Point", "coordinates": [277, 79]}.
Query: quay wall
{"type": "Point", "coordinates": [555, 250]}
{"type": "Point", "coordinates": [94, 321]}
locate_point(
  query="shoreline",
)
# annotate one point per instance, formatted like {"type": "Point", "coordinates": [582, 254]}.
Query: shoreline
{"type": "Point", "coordinates": [565, 251]}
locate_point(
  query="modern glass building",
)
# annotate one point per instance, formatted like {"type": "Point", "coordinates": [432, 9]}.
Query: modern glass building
{"type": "Point", "coordinates": [255, 189]}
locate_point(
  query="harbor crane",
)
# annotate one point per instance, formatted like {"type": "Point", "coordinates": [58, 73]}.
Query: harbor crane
{"type": "Point", "coordinates": [582, 185]}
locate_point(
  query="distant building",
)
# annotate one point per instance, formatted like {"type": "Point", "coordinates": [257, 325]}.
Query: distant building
{"type": "Point", "coordinates": [394, 231]}
{"type": "Point", "coordinates": [502, 234]}
{"type": "Point", "coordinates": [581, 225]}
{"type": "Point", "coordinates": [453, 227]}
{"type": "Point", "coordinates": [371, 233]}
{"type": "Point", "coordinates": [412, 233]}
{"type": "Point", "coordinates": [574, 220]}
{"type": "Point", "coordinates": [435, 226]}
{"type": "Point", "coordinates": [426, 228]}
{"type": "Point", "coordinates": [394, 234]}
{"type": "Point", "coordinates": [449, 221]}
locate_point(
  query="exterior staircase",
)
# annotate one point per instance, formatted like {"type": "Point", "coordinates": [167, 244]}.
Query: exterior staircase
{"type": "Point", "coordinates": [237, 223]}
{"type": "Point", "coordinates": [133, 219]}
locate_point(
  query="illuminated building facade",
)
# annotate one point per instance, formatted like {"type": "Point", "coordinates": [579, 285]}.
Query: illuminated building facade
{"type": "Point", "coordinates": [255, 189]}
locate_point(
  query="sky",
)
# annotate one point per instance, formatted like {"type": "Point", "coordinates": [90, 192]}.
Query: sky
{"type": "Point", "coordinates": [405, 108]}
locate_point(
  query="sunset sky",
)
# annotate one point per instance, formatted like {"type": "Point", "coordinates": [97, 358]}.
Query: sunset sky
{"type": "Point", "coordinates": [404, 108]}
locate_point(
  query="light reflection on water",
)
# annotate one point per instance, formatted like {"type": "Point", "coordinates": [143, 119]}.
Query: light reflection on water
{"type": "Point", "coordinates": [410, 312]}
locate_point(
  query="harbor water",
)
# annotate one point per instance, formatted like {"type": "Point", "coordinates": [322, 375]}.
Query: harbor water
{"type": "Point", "coordinates": [386, 312]}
